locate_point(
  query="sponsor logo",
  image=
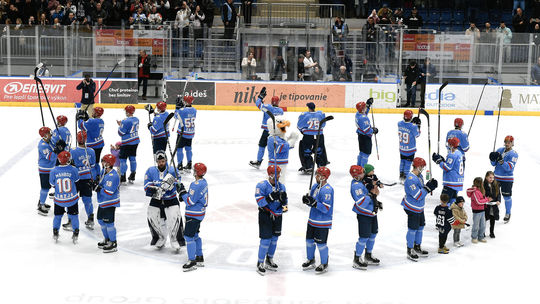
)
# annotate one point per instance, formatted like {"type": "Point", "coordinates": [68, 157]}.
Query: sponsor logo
{"type": "Point", "coordinates": [17, 87]}
{"type": "Point", "coordinates": [386, 96]}
{"type": "Point", "coordinates": [444, 96]}
{"type": "Point", "coordinates": [13, 88]}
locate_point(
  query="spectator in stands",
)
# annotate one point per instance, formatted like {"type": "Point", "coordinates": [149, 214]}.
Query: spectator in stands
{"type": "Point", "coordinates": [228, 15]}
{"type": "Point", "coordinates": [181, 22]}
{"type": "Point", "coordinates": [155, 18]}
{"type": "Point", "coordinates": [385, 15]}
{"type": "Point", "coordinates": [518, 22]}
{"type": "Point", "coordinates": [412, 75]}
{"type": "Point", "coordinates": [247, 8]}
{"type": "Point", "coordinates": [31, 21]}
{"type": "Point", "coordinates": [248, 66]}
{"type": "Point", "coordinates": [487, 49]}
{"type": "Point", "coordinates": [301, 69]}
{"type": "Point", "coordinates": [398, 16]}
{"type": "Point", "coordinates": [58, 14]}
{"type": "Point", "coordinates": [343, 75]}
{"type": "Point", "coordinates": [43, 20]}
{"type": "Point", "coordinates": [369, 32]}
{"type": "Point", "coordinates": [278, 68]}
{"type": "Point", "coordinates": [197, 17]}
{"type": "Point", "coordinates": [532, 23]}
{"type": "Point", "coordinates": [99, 12]}
{"type": "Point", "coordinates": [506, 34]}
{"type": "Point", "coordinates": [428, 73]}
{"type": "Point", "coordinates": [374, 16]}
{"type": "Point", "coordinates": [140, 16]}
{"type": "Point", "coordinates": [114, 17]}
{"type": "Point", "coordinates": [473, 31]}
{"type": "Point", "coordinates": [143, 71]}
{"type": "Point", "coordinates": [192, 5]}
{"type": "Point", "coordinates": [519, 4]}
{"type": "Point", "coordinates": [536, 34]}
{"type": "Point", "coordinates": [340, 29]}
{"type": "Point", "coordinates": [414, 21]}
{"type": "Point", "coordinates": [208, 7]}
{"type": "Point", "coordinates": [535, 73]}
{"type": "Point", "coordinates": [309, 64]}
{"type": "Point", "coordinates": [318, 74]}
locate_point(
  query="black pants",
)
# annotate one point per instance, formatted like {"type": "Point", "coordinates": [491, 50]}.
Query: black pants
{"type": "Point", "coordinates": [144, 81]}
{"type": "Point", "coordinates": [442, 238]}
{"type": "Point", "coordinates": [98, 155]}
{"type": "Point", "coordinates": [159, 144]}
{"type": "Point", "coordinates": [307, 147]}
{"type": "Point", "coordinates": [229, 31]}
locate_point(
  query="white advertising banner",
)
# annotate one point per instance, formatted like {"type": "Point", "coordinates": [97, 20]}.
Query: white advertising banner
{"type": "Point", "coordinates": [384, 94]}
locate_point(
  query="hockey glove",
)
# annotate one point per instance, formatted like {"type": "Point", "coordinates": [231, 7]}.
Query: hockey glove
{"type": "Point", "coordinates": [494, 156]}
{"type": "Point", "coordinates": [500, 159]}
{"type": "Point", "coordinates": [273, 196]}
{"type": "Point", "coordinates": [431, 185]}
{"type": "Point", "coordinates": [149, 125]}
{"type": "Point", "coordinates": [98, 189]}
{"type": "Point", "coordinates": [379, 205]}
{"type": "Point", "coordinates": [262, 93]}
{"type": "Point", "coordinates": [309, 200]}
{"type": "Point", "coordinates": [283, 198]}
{"type": "Point", "coordinates": [81, 114]}
{"type": "Point", "coordinates": [416, 121]}
{"type": "Point", "coordinates": [181, 189]}
{"type": "Point", "coordinates": [437, 158]}
{"type": "Point", "coordinates": [375, 130]}
{"type": "Point", "coordinates": [369, 102]}
{"type": "Point", "coordinates": [179, 103]}
{"type": "Point", "coordinates": [149, 108]}
{"type": "Point", "coordinates": [60, 146]}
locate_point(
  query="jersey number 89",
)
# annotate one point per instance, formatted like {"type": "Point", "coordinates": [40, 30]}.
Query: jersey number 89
{"type": "Point", "coordinates": [403, 137]}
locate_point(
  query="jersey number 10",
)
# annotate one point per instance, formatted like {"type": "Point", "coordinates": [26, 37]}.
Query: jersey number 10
{"type": "Point", "coordinates": [63, 185]}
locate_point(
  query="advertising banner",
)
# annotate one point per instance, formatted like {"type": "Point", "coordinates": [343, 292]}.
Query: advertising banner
{"type": "Point", "coordinates": [203, 92]}
{"type": "Point", "coordinates": [454, 47]}
{"type": "Point", "coordinates": [111, 42]}
{"type": "Point", "coordinates": [23, 89]}
{"type": "Point", "coordinates": [290, 94]}
{"type": "Point", "coordinates": [119, 91]}
{"type": "Point", "coordinates": [384, 94]}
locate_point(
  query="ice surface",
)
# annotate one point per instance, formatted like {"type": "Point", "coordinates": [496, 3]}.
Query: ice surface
{"type": "Point", "coordinates": [36, 270]}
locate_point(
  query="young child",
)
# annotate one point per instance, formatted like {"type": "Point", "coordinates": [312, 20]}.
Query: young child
{"type": "Point", "coordinates": [460, 218]}
{"type": "Point", "coordinates": [444, 219]}
{"type": "Point", "coordinates": [491, 186]}
{"type": "Point", "coordinates": [478, 203]}
{"type": "Point", "coordinates": [115, 151]}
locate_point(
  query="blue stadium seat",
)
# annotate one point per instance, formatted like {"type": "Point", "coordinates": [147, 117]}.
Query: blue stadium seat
{"type": "Point", "coordinates": [495, 15]}
{"type": "Point", "coordinates": [434, 16]}
{"type": "Point", "coordinates": [459, 17]}
{"type": "Point", "coordinates": [481, 17]}
{"type": "Point", "coordinates": [446, 17]}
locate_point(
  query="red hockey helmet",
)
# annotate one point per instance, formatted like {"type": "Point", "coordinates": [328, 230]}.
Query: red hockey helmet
{"type": "Point", "coordinates": [130, 109]}
{"type": "Point", "coordinates": [161, 106]}
{"type": "Point", "coordinates": [323, 171]}
{"type": "Point", "coordinates": [356, 171]}
{"type": "Point", "coordinates": [458, 122]}
{"type": "Point", "coordinates": [419, 162]}
{"type": "Point", "coordinates": [275, 101]}
{"type": "Point", "coordinates": [64, 157]}
{"type": "Point", "coordinates": [453, 142]}
{"type": "Point", "coordinates": [200, 169]}
{"type": "Point", "coordinates": [61, 120]}
{"type": "Point", "coordinates": [109, 160]}
{"type": "Point", "coordinates": [272, 169]}
{"type": "Point", "coordinates": [361, 106]}
{"type": "Point", "coordinates": [407, 115]}
{"type": "Point", "coordinates": [188, 99]}
{"type": "Point", "coordinates": [81, 137]}
{"type": "Point", "coordinates": [98, 111]}
{"type": "Point", "coordinates": [509, 138]}
{"type": "Point", "coordinates": [43, 131]}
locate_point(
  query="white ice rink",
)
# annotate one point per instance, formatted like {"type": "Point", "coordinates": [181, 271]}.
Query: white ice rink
{"type": "Point", "coordinates": [36, 270]}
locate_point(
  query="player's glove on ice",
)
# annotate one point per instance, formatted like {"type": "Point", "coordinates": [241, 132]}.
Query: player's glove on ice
{"type": "Point", "coordinates": [181, 189]}
{"type": "Point", "coordinates": [309, 200]}
{"type": "Point", "coordinates": [494, 156]}
{"type": "Point", "coordinates": [375, 130]}
{"type": "Point", "coordinates": [60, 146]}
{"type": "Point", "coordinates": [437, 158]}
{"type": "Point", "coordinates": [273, 196]}
{"type": "Point", "coordinates": [431, 185]}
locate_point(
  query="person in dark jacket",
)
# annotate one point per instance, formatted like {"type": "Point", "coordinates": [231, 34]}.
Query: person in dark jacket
{"type": "Point", "coordinates": [428, 73]}
{"type": "Point", "coordinates": [414, 21]}
{"type": "Point", "coordinates": [412, 75]}
{"type": "Point", "coordinates": [143, 73]}
{"type": "Point", "coordinates": [535, 73]}
{"type": "Point", "coordinates": [88, 87]}
{"type": "Point", "coordinates": [228, 15]}
{"type": "Point", "coordinates": [491, 186]}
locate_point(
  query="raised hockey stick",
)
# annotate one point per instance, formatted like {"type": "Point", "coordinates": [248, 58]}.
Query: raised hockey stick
{"type": "Point", "coordinates": [181, 98]}
{"type": "Point", "coordinates": [498, 116]}
{"type": "Point", "coordinates": [36, 69]}
{"type": "Point", "coordinates": [165, 122]}
{"type": "Point", "coordinates": [477, 105]}
{"type": "Point", "coordinates": [424, 112]}
{"type": "Point", "coordinates": [375, 135]}
{"type": "Point", "coordinates": [276, 184]}
{"type": "Point", "coordinates": [122, 60]}
{"type": "Point", "coordinates": [324, 120]}
{"type": "Point", "coordinates": [439, 120]}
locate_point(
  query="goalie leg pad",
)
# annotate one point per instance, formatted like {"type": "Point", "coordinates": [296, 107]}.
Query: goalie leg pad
{"type": "Point", "coordinates": [156, 224]}
{"type": "Point", "coordinates": [173, 224]}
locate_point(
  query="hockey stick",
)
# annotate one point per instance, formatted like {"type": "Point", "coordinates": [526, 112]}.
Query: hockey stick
{"type": "Point", "coordinates": [36, 69]}
{"type": "Point", "coordinates": [39, 67]}
{"type": "Point", "coordinates": [498, 116]}
{"type": "Point", "coordinates": [477, 105]}
{"type": "Point", "coordinates": [439, 120]}
{"type": "Point", "coordinates": [375, 135]}
{"type": "Point", "coordinates": [182, 99]}
{"type": "Point", "coordinates": [424, 112]}
{"type": "Point", "coordinates": [324, 120]}
{"type": "Point", "coordinates": [389, 184]}
{"type": "Point", "coordinates": [276, 184]}
{"type": "Point", "coordinates": [122, 60]}
{"type": "Point", "coordinates": [165, 122]}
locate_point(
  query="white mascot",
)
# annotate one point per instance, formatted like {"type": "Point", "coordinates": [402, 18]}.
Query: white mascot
{"type": "Point", "coordinates": [279, 143]}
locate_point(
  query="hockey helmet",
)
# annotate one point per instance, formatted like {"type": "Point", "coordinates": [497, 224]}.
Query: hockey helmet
{"type": "Point", "coordinates": [419, 162]}
{"type": "Point", "coordinates": [188, 100]}
{"type": "Point", "coordinates": [129, 109]}
{"type": "Point", "coordinates": [324, 172]}
{"type": "Point", "coordinates": [356, 171]}
{"type": "Point", "coordinates": [64, 157]}
{"type": "Point", "coordinates": [361, 106]}
{"type": "Point", "coordinates": [81, 137]}
{"type": "Point", "coordinates": [453, 142]}
{"type": "Point", "coordinates": [109, 160]}
{"type": "Point", "coordinates": [275, 101]}
{"type": "Point", "coordinates": [161, 106]}
{"type": "Point", "coordinates": [61, 120]}
{"type": "Point", "coordinates": [199, 169]}
{"type": "Point", "coordinates": [44, 131]}
{"type": "Point", "coordinates": [98, 111]}
{"type": "Point", "coordinates": [458, 123]}
{"type": "Point", "coordinates": [509, 138]}
{"type": "Point", "coordinates": [407, 115]}
{"type": "Point", "coordinates": [272, 169]}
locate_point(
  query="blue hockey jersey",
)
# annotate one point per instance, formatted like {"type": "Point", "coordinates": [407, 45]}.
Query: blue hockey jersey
{"type": "Point", "coordinates": [46, 157]}
{"type": "Point", "coordinates": [308, 122]}
{"type": "Point", "coordinates": [85, 162]}
{"type": "Point", "coordinates": [61, 133]}
{"type": "Point", "coordinates": [129, 131]}
{"type": "Point", "coordinates": [363, 124]}
{"type": "Point", "coordinates": [274, 110]}
{"type": "Point", "coordinates": [154, 177]}
{"type": "Point", "coordinates": [157, 130]}
{"type": "Point", "coordinates": [363, 204]}
{"type": "Point", "coordinates": [320, 216]}
{"type": "Point", "coordinates": [196, 199]}
{"type": "Point", "coordinates": [94, 132]}
{"type": "Point", "coordinates": [505, 172]}
{"type": "Point", "coordinates": [453, 170]}
{"type": "Point", "coordinates": [262, 190]}
{"type": "Point", "coordinates": [463, 140]}
{"type": "Point", "coordinates": [109, 195]}
{"type": "Point", "coordinates": [407, 132]}
{"type": "Point", "coordinates": [415, 194]}
{"type": "Point", "coordinates": [63, 179]}
{"type": "Point", "coordinates": [282, 151]}
{"type": "Point", "coordinates": [186, 117]}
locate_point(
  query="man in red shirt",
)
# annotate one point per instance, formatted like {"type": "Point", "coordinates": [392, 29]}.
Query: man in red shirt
{"type": "Point", "coordinates": [143, 71]}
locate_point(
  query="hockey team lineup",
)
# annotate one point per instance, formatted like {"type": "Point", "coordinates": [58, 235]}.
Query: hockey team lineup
{"type": "Point", "coordinates": [80, 171]}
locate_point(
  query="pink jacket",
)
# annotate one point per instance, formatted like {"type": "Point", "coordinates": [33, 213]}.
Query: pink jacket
{"type": "Point", "coordinates": [478, 200]}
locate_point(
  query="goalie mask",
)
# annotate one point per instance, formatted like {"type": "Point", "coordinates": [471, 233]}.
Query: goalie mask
{"type": "Point", "coordinates": [280, 127]}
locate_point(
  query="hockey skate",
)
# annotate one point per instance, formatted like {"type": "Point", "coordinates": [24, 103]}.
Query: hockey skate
{"type": "Point", "coordinates": [309, 264]}
{"type": "Point", "coordinates": [123, 179]}
{"type": "Point", "coordinates": [67, 226]}
{"type": "Point", "coordinates": [131, 178]}
{"type": "Point", "coordinates": [180, 167]}
{"type": "Point", "coordinates": [270, 265]}
{"type": "Point", "coordinates": [160, 243]}
{"type": "Point", "coordinates": [110, 247]}
{"type": "Point", "coordinates": [506, 218]}
{"type": "Point", "coordinates": [306, 171]}
{"type": "Point", "coordinates": [371, 260]}
{"type": "Point", "coordinates": [42, 210]}
{"type": "Point", "coordinates": [200, 261]}
{"type": "Point", "coordinates": [255, 164]}
{"type": "Point", "coordinates": [444, 250]}
{"type": "Point", "coordinates": [90, 222]}
{"type": "Point", "coordinates": [175, 246]}
{"type": "Point", "coordinates": [358, 263]}
{"type": "Point", "coordinates": [51, 195]}
{"type": "Point", "coordinates": [75, 236]}
{"type": "Point", "coordinates": [321, 269]}
{"type": "Point", "coordinates": [411, 255]}
{"type": "Point", "coordinates": [55, 235]}
{"type": "Point", "coordinates": [103, 243]}
{"type": "Point", "coordinates": [187, 168]}
{"type": "Point", "coordinates": [189, 266]}
{"type": "Point", "coordinates": [401, 178]}
{"type": "Point", "coordinates": [420, 251]}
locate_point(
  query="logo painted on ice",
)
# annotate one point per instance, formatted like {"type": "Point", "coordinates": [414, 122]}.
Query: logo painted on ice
{"type": "Point", "coordinates": [13, 88]}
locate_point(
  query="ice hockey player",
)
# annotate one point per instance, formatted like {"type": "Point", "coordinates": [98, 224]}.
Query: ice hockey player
{"type": "Point", "coordinates": [452, 169]}
{"type": "Point", "coordinates": [279, 144]}
{"type": "Point", "coordinates": [321, 201]}
{"type": "Point", "coordinates": [444, 219]}
{"type": "Point", "coordinates": [94, 130]}
{"type": "Point", "coordinates": [462, 136]}
{"type": "Point", "coordinates": [274, 109]}
{"type": "Point", "coordinates": [308, 124]}
{"type": "Point", "coordinates": [61, 137]}
{"type": "Point", "coordinates": [413, 203]}
{"type": "Point", "coordinates": [271, 197]}
{"type": "Point", "coordinates": [128, 129]}
{"type": "Point", "coordinates": [504, 160]}
{"type": "Point", "coordinates": [64, 179]}
{"type": "Point", "coordinates": [158, 131]}
{"type": "Point", "coordinates": [46, 162]}
{"type": "Point", "coordinates": [160, 184]}
{"type": "Point", "coordinates": [408, 131]}
{"type": "Point", "coordinates": [84, 159]}
{"type": "Point", "coordinates": [108, 197]}
{"type": "Point", "coordinates": [364, 130]}
{"type": "Point", "coordinates": [196, 199]}
{"type": "Point", "coordinates": [186, 114]}
{"type": "Point", "coordinates": [366, 208]}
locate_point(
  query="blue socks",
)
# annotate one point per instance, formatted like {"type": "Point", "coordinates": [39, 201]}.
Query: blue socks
{"type": "Point", "coordinates": [411, 234]}
{"type": "Point", "coordinates": [273, 246]}
{"type": "Point", "coordinates": [419, 234]}
{"type": "Point", "coordinates": [191, 247]}
{"type": "Point", "coordinates": [111, 231]}
{"type": "Point", "coordinates": [87, 200]}
{"type": "Point", "coordinates": [371, 242]}
{"type": "Point", "coordinates": [43, 195]}
{"type": "Point", "coordinates": [74, 218]}
{"type": "Point", "coordinates": [263, 249]}
{"type": "Point", "coordinates": [360, 245]}
{"type": "Point", "coordinates": [123, 166]}
{"type": "Point", "coordinates": [180, 155]}
{"type": "Point", "coordinates": [57, 220]}
{"type": "Point", "coordinates": [132, 163]}
{"type": "Point", "coordinates": [323, 252]}
{"type": "Point", "coordinates": [362, 159]}
{"type": "Point", "coordinates": [310, 249]}
{"type": "Point", "coordinates": [508, 204]}
{"type": "Point", "coordinates": [260, 153]}
{"type": "Point", "coordinates": [104, 229]}
{"type": "Point", "coordinates": [198, 243]}
{"type": "Point", "coordinates": [189, 153]}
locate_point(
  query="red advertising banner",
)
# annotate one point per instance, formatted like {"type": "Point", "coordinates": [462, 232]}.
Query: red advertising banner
{"type": "Point", "coordinates": [23, 89]}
